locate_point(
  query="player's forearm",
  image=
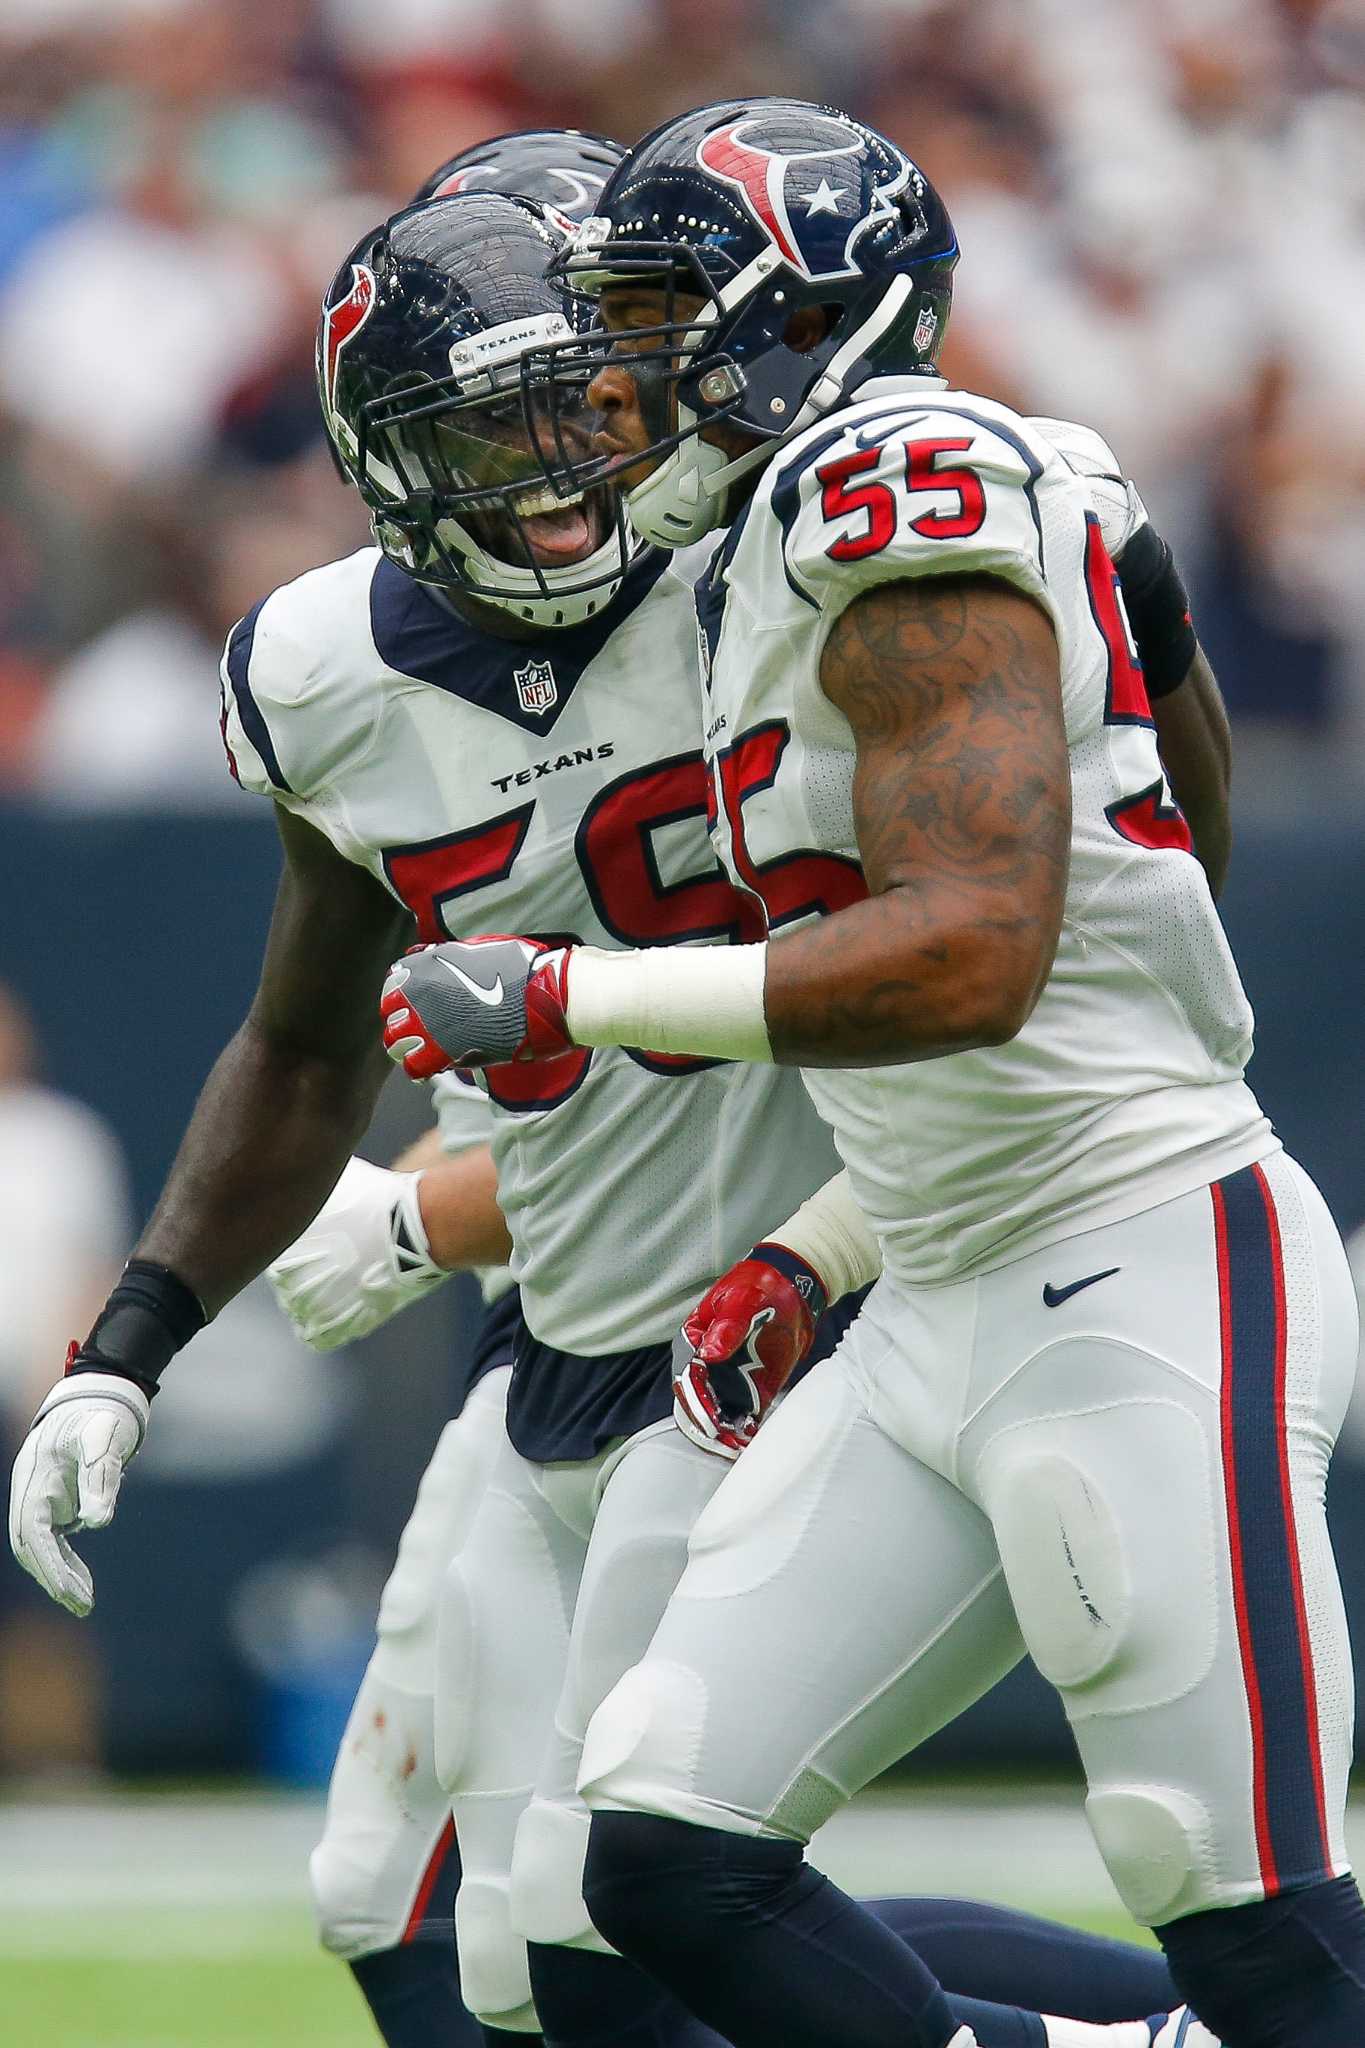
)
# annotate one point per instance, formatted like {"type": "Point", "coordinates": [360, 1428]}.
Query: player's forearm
{"type": "Point", "coordinates": [879, 984]}
{"type": "Point", "coordinates": [458, 1199]}
{"type": "Point", "coordinates": [268, 1138]}
{"type": "Point", "coordinates": [1195, 743]}
{"type": "Point", "coordinates": [835, 1239]}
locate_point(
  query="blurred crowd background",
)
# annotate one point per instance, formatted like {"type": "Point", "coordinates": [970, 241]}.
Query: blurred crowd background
{"type": "Point", "coordinates": [1161, 208]}
{"type": "Point", "coordinates": [1161, 205]}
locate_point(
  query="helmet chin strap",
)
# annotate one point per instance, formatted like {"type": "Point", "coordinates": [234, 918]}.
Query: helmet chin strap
{"type": "Point", "coordinates": [685, 497]}
{"type": "Point", "coordinates": [517, 591]}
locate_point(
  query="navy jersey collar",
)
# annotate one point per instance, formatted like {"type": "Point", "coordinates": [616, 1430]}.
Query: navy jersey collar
{"type": "Point", "coordinates": [420, 637]}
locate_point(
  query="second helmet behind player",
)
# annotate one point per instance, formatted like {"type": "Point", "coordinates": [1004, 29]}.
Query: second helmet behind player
{"type": "Point", "coordinates": [419, 351]}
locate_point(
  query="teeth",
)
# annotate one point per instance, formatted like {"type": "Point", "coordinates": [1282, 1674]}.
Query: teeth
{"type": "Point", "coordinates": [532, 503]}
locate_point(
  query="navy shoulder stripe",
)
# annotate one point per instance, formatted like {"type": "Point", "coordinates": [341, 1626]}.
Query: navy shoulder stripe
{"type": "Point", "coordinates": [240, 642]}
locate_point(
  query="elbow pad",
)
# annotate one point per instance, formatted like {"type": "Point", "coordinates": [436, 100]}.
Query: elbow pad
{"type": "Point", "coordinates": [1158, 609]}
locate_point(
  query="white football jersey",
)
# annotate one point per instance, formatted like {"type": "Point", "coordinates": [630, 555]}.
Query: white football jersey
{"type": "Point", "coordinates": [556, 788]}
{"type": "Point", "coordinates": [1126, 1085]}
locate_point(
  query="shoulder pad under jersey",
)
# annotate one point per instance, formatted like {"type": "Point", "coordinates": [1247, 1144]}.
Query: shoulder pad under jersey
{"type": "Point", "coordinates": [299, 676]}
{"type": "Point", "coordinates": [895, 490]}
{"type": "Point", "coordinates": [1120, 509]}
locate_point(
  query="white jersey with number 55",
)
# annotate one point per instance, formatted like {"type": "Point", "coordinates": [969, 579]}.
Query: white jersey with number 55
{"type": "Point", "coordinates": [1125, 1087]}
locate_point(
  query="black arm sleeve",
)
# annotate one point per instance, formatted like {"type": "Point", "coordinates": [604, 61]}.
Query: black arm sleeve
{"type": "Point", "coordinates": [1158, 609]}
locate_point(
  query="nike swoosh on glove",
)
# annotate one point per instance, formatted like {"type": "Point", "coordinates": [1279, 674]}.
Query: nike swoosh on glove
{"type": "Point", "coordinates": [476, 1003]}
{"type": "Point", "coordinates": [67, 1475]}
{"type": "Point", "coordinates": [740, 1346]}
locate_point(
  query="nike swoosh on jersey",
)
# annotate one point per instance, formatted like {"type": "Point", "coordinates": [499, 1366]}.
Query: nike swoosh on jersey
{"type": "Point", "coordinates": [1053, 1297]}
{"type": "Point", "coordinates": [491, 996]}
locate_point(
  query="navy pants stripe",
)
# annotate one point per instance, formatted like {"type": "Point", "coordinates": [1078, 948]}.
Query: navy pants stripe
{"type": "Point", "coordinates": [1267, 1579]}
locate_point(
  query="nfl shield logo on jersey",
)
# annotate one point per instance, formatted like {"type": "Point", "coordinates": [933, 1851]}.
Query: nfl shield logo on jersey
{"type": "Point", "coordinates": [536, 686]}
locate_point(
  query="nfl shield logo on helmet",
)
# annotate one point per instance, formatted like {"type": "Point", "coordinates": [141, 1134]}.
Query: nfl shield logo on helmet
{"type": "Point", "coordinates": [536, 689]}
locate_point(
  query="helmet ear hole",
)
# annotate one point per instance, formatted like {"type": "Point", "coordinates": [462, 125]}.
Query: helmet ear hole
{"type": "Point", "coordinates": [808, 326]}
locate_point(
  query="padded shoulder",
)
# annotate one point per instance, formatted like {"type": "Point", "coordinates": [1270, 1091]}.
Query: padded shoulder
{"type": "Point", "coordinates": [301, 680]}
{"type": "Point", "coordinates": [1120, 509]}
{"type": "Point", "coordinates": [948, 486]}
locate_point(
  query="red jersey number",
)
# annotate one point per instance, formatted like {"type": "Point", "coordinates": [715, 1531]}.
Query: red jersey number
{"type": "Point", "coordinates": [617, 856]}
{"type": "Point", "coordinates": [793, 884]}
{"type": "Point", "coordinates": [842, 496]}
{"type": "Point", "coordinates": [1151, 817]}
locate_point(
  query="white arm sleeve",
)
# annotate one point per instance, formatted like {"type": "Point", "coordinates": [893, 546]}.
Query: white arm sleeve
{"type": "Point", "coordinates": [830, 1232]}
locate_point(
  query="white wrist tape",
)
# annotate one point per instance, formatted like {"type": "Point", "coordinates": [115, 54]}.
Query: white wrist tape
{"type": "Point", "coordinates": [830, 1232]}
{"type": "Point", "coordinates": [706, 1000]}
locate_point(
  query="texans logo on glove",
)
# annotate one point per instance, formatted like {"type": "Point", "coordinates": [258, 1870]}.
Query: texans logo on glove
{"type": "Point", "coordinates": [476, 1003]}
{"type": "Point", "coordinates": [741, 1345]}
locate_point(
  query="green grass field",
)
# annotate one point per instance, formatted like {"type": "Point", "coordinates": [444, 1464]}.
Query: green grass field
{"type": "Point", "coordinates": [134, 1919]}
{"type": "Point", "coordinates": [268, 1987]}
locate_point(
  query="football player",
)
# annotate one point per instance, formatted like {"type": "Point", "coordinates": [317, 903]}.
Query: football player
{"type": "Point", "coordinates": [373, 711]}
{"type": "Point", "coordinates": [384, 1875]}
{"type": "Point", "coordinates": [588, 1510]}
{"type": "Point", "coordinates": [1115, 1335]}
{"type": "Point", "coordinates": [464, 708]}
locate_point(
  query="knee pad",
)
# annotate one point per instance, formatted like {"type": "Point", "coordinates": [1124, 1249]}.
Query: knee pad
{"type": "Point", "coordinates": [454, 1678]}
{"type": "Point", "coordinates": [641, 1741]}
{"type": "Point", "coordinates": [1157, 1846]}
{"type": "Point", "coordinates": [385, 1812]}
{"type": "Point", "coordinates": [547, 1878]}
{"type": "Point", "coordinates": [494, 1976]}
{"type": "Point", "coordinates": [342, 1889]}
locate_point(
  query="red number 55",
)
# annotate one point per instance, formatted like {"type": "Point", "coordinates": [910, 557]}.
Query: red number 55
{"type": "Point", "coordinates": [841, 495]}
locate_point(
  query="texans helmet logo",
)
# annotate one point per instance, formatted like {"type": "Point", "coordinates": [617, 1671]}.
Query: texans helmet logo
{"type": "Point", "coordinates": [340, 323]}
{"type": "Point", "coordinates": [582, 190]}
{"type": "Point", "coordinates": [776, 184]}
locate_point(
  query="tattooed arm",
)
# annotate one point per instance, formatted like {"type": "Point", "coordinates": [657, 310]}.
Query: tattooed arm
{"type": "Point", "coordinates": [962, 814]}
{"type": "Point", "coordinates": [962, 810]}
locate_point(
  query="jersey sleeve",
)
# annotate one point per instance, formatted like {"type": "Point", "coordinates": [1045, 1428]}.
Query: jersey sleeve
{"type": "Point", "coordinates": [295, 705]}
{"type": "Point", "coordinates": [913, 493]}
{"type": "Point", "coordinates": [1087, 455]}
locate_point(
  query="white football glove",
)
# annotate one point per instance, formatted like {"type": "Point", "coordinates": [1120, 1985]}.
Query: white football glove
{"type": "Point", "coordinates": [67, 1474]}
{"type": "Point", "coordinates": [364, 1256]}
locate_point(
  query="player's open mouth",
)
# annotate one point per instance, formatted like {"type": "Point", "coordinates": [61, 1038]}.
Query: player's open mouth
{"type": "Point", "coordinates": [562, 530]}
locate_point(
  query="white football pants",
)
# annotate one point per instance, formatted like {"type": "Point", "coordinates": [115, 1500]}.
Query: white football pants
{"type": "Point", "coordinates": [554, 1595]}
{"type": "Point", "coordinates": [1136, 1424]}
{"type": "Point", "coordinates": [388, 1821]}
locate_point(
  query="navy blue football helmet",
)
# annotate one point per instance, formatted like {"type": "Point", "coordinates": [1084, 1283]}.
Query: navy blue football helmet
{"type": "Point", "coordinates": [564, 168]}
{"type": "Point", "coordinates": [748, 211]}
{"type": "Point", "coordinates": [418, 364]}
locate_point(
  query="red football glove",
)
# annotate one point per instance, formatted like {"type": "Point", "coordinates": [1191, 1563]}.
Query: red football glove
{"type": "Point", "coordinates": [747, 1335]}
{"type": "Point", "coordinates": [475, 1003]}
